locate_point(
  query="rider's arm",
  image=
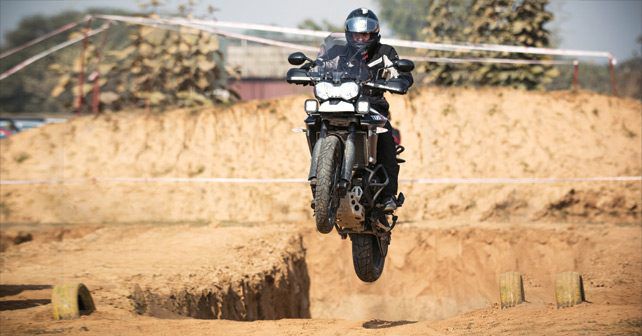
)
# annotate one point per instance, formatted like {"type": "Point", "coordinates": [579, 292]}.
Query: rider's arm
{"type": "Point", "coordinates": [392, 55]}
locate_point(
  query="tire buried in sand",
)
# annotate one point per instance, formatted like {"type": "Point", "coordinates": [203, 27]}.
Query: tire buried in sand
{"type": "Point", "coordinates": [71, 300]}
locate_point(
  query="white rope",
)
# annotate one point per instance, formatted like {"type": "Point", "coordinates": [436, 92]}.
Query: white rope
{"type": "Point", "coordinates": [468, 47]}
{"type": "Point", "coordinates": [522, 180]}
{"type": "Point", "coordinates": [49, 51]}
{"type": "Point", "coordinates": [206, 26]}
{"type": "Point", "coordinates": [186, 23]}
{"type": "Point", "coordinates": [259, 27]}
{"type": "Point", "coordinates": [234, 180]}
{"type": "Point", "coordinates": [485, 60]}
{"type": "Point", "coordinates": [42, 38]}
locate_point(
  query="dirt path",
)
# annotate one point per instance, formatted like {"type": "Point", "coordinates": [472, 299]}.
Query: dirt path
{"type": "Point", "coordinates": [156, 256]}
{"type": "Point", "coordinates": [440, 278]}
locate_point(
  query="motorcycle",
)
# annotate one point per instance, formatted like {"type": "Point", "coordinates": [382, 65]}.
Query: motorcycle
{"type": "Point", "coordinates": [342, 131]}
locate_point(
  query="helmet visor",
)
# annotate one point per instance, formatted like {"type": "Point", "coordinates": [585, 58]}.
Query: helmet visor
{"type": "Point", "coordinates": [362, 25]}
{"type": "Point", "coordinates": [360, 38]}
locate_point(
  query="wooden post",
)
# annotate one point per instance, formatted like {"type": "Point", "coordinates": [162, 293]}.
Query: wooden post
{"type": "Point", "coordinates": [95, 95]}
{"type": "Point", "coordinates": [612, 62]}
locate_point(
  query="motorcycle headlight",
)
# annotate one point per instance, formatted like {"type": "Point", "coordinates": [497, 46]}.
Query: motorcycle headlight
{"type": "Point", "coordinates": [363, 106]}
{"type": "Point", "coordinates": [311, 106]}
{"type": "Point", "coordinates": [345, 91]}
{"type": "Point", "coordinates": [323, 90]}
{"type": "Point", "coordinates": [349, 90]}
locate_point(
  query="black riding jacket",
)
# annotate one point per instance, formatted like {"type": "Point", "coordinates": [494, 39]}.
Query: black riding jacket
{"type": "Point", "coordinates": [378, 57]}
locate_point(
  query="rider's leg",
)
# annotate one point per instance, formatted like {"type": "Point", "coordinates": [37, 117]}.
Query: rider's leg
{"type": "Point", "coordinates": [387, 156]}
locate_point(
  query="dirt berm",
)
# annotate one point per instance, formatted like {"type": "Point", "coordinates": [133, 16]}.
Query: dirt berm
{"type": "Point", "coordinates": [448, 134]}
{"type": "Point", "coordinates": [172, 272]}
{"type": "Point", "coordinates": [155, 254]}
{"type": "Point", "coordinates": [440, 278]}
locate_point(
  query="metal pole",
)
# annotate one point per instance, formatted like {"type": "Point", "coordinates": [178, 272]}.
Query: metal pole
{"type": "Point", "coordinates": [575, 74]}
{"type": "Point", "coordinates": [612, 71]}
{"type": "Point", "coordinates": [95, 99]}
{"type": "Point", "coordinates": [95, 95]}
{"type": "Point", "coordinates": [81, 74]}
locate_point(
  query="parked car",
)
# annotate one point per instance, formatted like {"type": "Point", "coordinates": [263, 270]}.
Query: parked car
{"type": "Point", "coordinates": [26, 123]}
{"type": "Point", "coordinates": [10, 124]}
{"type": "Point", "coordinates": [7, 127]}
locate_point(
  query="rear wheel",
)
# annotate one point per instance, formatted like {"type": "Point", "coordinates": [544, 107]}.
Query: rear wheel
{"type": "Point", "coordinates": [366, 256]}
{"type": "Point", "coordinates": [325, 198]}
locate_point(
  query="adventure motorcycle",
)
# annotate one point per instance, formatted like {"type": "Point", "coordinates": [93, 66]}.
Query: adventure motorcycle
{"type": "Point", "coordinates": [342, 131]}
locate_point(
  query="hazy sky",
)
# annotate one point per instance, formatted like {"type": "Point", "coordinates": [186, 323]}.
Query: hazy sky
{"type": "Point", "coordinates": [608, 25]}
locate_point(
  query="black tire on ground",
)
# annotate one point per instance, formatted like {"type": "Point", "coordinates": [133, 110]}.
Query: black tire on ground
{"type": "Point", "coordinates": [328, 168]}
{"type": "Point", "coordinates": [366, 257]}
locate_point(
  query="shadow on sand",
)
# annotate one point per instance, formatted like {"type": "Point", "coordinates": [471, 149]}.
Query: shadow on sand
{"type": "Point", "coordinates": [381, 324]}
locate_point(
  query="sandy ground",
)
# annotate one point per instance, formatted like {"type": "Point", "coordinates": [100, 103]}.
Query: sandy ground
{"type": "Point", "coordinates": [172, 246]}
{"type": "Point", "coordinates": [448, 133]}
{"type": "Point", "coordinates": [440, 278]}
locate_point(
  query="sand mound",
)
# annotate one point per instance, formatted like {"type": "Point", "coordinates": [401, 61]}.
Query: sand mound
{"type": "Point", "coordinates": [439, 271]}
{"type": "Point", "coordinates": [172, 272]}
{"type": "Point", "coordinates": [461, 133]}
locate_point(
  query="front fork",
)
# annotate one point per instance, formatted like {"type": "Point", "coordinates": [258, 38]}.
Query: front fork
{"type": "Point", "coordinates": [314, 161]}
{"type": "Point", "coordinates": [348, 157]}
{"type": "Point", "coordinates": [348, 162]}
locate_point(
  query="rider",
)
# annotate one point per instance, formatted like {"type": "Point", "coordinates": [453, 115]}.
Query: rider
{"type": "Point", "coordinates": [362, 35]}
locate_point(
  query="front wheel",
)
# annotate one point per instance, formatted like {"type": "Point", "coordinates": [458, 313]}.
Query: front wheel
{"type": "Point", "coordinates": [325, 198]}
{"type": "Point", "coordinates": [366, 257]}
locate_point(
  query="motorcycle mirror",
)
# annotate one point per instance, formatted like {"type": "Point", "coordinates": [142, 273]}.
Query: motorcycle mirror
{"type": "Point", "coordinates": [404, 65]}
{"type": "Point", "coordinates": [297, 58]}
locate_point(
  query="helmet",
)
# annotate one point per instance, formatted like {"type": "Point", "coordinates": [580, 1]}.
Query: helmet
{"type": "Point", "coordinates": [359, 21]}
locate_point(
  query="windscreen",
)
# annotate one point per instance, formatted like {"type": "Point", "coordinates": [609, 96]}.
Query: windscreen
{"type": "Point", "coordinates": [337, 62]}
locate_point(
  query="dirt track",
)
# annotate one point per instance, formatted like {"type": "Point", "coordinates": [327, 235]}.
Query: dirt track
{"type": "Point", "coordinates": [248, 252]}
{"type": "Point", "coordinates": [449, 133]}
{"type": "Point", "coordinates": [435, 272]}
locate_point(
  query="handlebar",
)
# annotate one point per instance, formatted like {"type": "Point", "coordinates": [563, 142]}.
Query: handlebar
{"type": "Point", "coordinates": [302, 76]}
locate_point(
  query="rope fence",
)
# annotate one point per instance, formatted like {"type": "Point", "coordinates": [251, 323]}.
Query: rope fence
{"type": "Point", "coordinates": [212, 28]}
{"type": "Point", "coordinates": [232, 180]}
{"type": "Point", "coordinates": [215, 27]}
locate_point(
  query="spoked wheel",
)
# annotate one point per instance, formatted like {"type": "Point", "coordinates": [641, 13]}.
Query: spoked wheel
{"type": "Point", "coordinates": [366, 256]}
{"type": "Point", "coordinates": [325, 199]}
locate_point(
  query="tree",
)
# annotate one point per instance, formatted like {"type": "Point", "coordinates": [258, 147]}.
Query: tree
{"type": "Point", "coordinates": [510, 22]}
{"type": "Point", "coordinates": [159, 68]}
{"type": "Point", "coordinates": [504, 22]}
{"type": "Point", "coordinates": [407, 18]}
{"type": "Point", "coordinates": [528, 21]}
{"type": "Point", "coordinates": [324, 25]}
{"type": "Point", "coordinates": [32, 27]}
{"type": "Point", "coordinates": [490, 22]}
{"type": "Point", "coordinates": [444, 24]}
{"type": "Point", "coordinates": [51, 84]}
{"type": "Point", "coordinates": [28, 89]}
